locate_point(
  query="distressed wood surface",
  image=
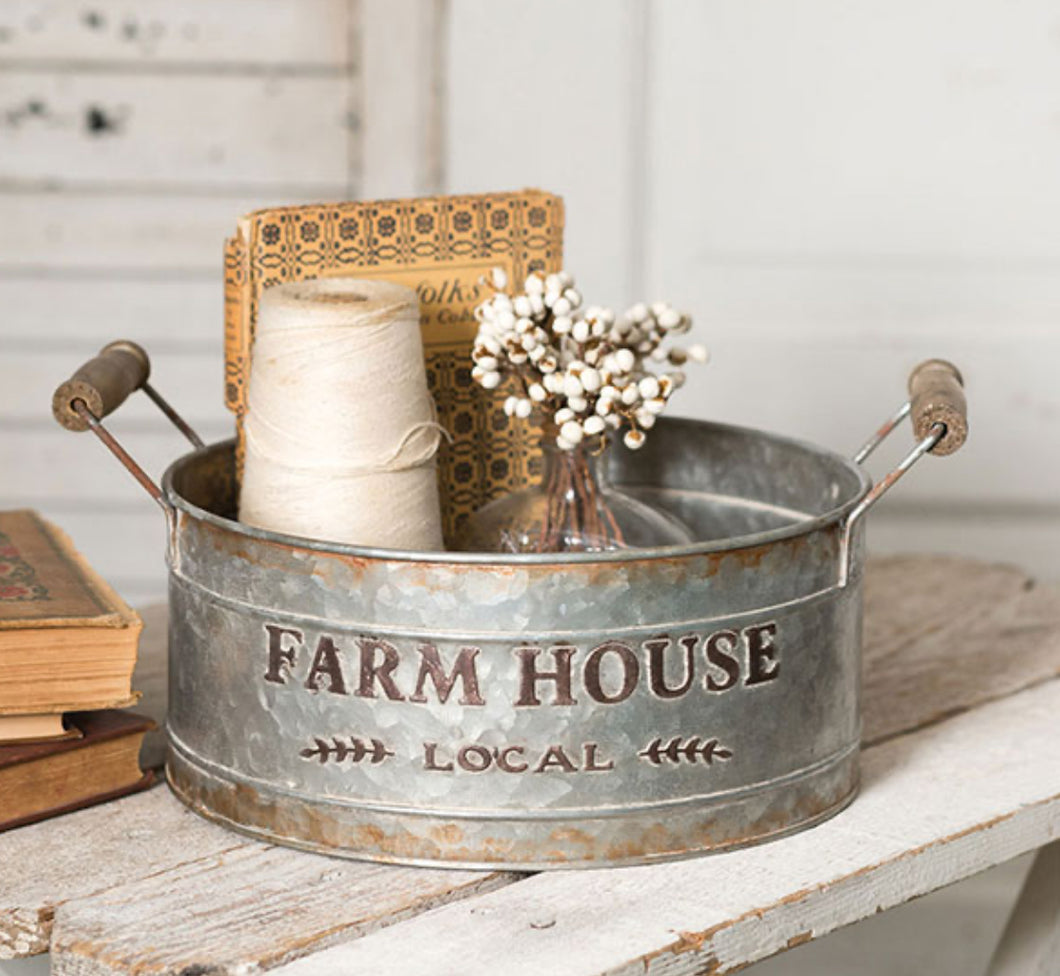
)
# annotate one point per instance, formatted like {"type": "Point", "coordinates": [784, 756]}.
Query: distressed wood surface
{"type": "Point", "coordinates": [936, 806]}
{"type": "Point", "coordinates": [173, 234]}
{"type": "Point", "coordinates": [250, 907]}
{"type": "Point", "coordinates": [964, 634]}
{"type": "Point", "coordinates": [240, 132]}
{"type": "Point", "coordinates": [96, 871]}
{"type": "Point", "coordinates": [197, 35]}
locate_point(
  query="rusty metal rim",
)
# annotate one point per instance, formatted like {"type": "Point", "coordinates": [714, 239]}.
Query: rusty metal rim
{"type": "Point", "coordinates": [833, 517]}
{"type": "Point", "coordinates": [194, 802]}
{"type": "Point", "coordinates": [551, 633]}
{"type": "Point", "coordinates": [223, 773]}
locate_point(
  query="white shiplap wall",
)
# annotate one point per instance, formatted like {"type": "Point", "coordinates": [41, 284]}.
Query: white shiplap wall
{"type": "Point", "coordinates": [131, 138]}
{"type": "Point", "coordinates": [834, 188]}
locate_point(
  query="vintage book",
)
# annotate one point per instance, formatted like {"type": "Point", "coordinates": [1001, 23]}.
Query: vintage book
{"type": "Point", "coordinates": [43, 779]}
{"type": "Point", "coordinates": [67, 640]}
{"type": "Point", "coordinates": [35, 728]}
{"type": "Point", "coordinates": [440, 247]}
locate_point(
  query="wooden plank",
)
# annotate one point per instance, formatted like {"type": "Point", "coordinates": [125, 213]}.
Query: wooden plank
{"type": "Point", "coordinates": [254, 906]}
{"type": "Point", "coordinates": [963, 638]}
{"type": "Point", "coordinates": [46, 313]}
{"type": "Point", "coordinates": [839, 132]}
{"type": "Point", "coordinates": [44, 460]}
{"type": "Point", "coordinates": [191, 380]}
{"type": "Point", "coordinates": [173, 235]}
{"type": "Point", "coordinates": [490, 140]}
{"type": "Point", "coordinates": [203, 34]}
{"type": "Point", "coordinates": [235, 132]}
{"type": "Point", "coordinates": [1030, 945]}
{"type": "Point", "coordinates": [936, 806]}
{"type": "Point", "coordinates": [91, 851]}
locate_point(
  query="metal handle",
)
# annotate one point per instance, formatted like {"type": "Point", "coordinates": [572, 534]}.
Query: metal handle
{"type": "Point", "coordinates": [102, 385]}
{"type": "Point", "coordinates": [936, 396]}
{"type": "Point", "coordinates": [939, 414]}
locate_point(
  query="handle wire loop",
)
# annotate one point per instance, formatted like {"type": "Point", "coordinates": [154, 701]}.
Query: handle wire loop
{"type": "Point", "coordinates": [114, 446]}
{"type": "Point", "coordinates": [935, 434]}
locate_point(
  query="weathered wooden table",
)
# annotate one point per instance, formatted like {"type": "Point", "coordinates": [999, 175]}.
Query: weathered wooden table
{"type": "Point", "coordinates": [961, 772]}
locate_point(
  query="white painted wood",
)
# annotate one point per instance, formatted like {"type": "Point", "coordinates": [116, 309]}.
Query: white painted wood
{"type": "Point", "coordinates": [403, 78]}
{"type": "Point", "coordinates": [840, 132]}
{"type": "Point", "coordinates": [221, 131]}
{"type": "Point", "coordinates": [540, 95]}
{"type": "Point", "coordinates": [248, 909]}
{"type": "Point", "coordinates": [950, 932]}
{"type": "Point", "coordinates": [36, 452]}
{"type": "Point", "coordinates": [167, 236]}
{"type": "Point", "coordinates": [47, 313]}
{"type": "Point", "coordinates": [89, 851]}
{"type": "Point", "coordinates": [200, 34]}
{"type": "Point", "coordinates": [1030, 945]}
{"type": "Point", "coordinates": [923, 820]}
{"type": "Point", "coordinates": [192, 381]}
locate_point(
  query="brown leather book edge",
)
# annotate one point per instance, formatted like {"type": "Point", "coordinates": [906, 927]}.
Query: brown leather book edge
{"type": "Point", "coordinates": [100, 726]}
{"type": "Point", "coordinates": [143, 783]}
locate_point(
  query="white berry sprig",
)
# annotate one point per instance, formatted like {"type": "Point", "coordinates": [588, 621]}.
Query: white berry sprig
{"type": "Point", "coordinates": [585, 369]}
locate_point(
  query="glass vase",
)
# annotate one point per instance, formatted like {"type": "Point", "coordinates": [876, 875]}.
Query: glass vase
{"type": "Point", "coordinates": [574, 509]}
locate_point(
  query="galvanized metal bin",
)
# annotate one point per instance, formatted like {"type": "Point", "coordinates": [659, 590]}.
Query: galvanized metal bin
{"type": "Point", "coordinates": [532, 711]}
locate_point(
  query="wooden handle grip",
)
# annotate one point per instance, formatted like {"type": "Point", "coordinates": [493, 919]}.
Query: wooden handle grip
{"type": "Point", "coordinates": [936, 390]}
{"type": "Point", "coordinates": [103, 383]}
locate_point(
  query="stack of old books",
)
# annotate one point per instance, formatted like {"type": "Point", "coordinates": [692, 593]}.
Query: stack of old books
{"type": "Point", "coordinates": [67, 650]}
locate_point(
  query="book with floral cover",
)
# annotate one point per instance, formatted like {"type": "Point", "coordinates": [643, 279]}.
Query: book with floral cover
{"type": "Point", "coordinates": [43, 779]}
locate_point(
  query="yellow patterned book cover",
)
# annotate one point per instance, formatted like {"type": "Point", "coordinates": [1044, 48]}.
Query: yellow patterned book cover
{"type": "Point", "coordinates": [438, 246]}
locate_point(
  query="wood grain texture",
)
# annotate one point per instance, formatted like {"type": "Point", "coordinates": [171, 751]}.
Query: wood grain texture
{"type": "Point", "coordinates": [943, 635]}
{"type": "Point", "coordinates": [200, 34]}
{"type": "Point", "coordinates": [174, 234]}
{"type": "Point", "coordinates": [923, 820]}
{"type": "Point", "coordinates": [92, 851]}
{"type": "Point", "coordinates": [251, 907]}
{"type": "Point", "coordinates": [239, 132]}
{"type": "Point", "coordinates": [165, 315]}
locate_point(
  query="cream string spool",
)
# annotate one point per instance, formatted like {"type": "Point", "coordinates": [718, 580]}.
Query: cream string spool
{"type": "Point", "coordinates": [340, 430]}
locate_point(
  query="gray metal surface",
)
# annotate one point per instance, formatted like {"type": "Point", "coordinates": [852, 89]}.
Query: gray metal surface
{"type": "Point", "coordinates": [528, 711]}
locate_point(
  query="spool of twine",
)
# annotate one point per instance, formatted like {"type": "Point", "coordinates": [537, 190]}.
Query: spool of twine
{"type": "Point", "coordinates": [340, 429]}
